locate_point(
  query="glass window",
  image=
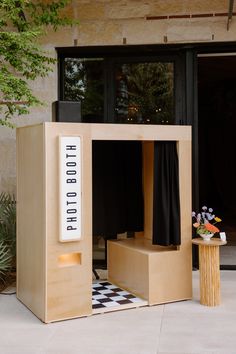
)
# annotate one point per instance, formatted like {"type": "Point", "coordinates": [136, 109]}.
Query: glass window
{"type": "Point", "coordinates": [111, 90]}
{"type": "Point", "coordinates": [144, 93]}
{"type": "Point", "coordinates": [84, 82]}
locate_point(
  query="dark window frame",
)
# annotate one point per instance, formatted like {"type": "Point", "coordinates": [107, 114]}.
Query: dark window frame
{"type": "Point", "coordinates": [114, 55]}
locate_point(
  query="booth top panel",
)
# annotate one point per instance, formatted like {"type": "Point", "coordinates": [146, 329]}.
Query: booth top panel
{"type": "Point", "coordinates": [120, 131]}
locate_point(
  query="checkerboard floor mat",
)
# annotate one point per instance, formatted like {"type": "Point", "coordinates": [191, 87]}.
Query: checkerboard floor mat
{"type": "Point", "coordinates": [109, 297]}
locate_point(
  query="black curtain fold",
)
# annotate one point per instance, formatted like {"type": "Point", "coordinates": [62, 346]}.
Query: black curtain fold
{"type": "Point", "coordinates": [166, 203]}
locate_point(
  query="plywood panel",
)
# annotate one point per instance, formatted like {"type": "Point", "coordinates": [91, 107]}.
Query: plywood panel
{"type": "Point", "coordinates": [68, 288]}
{"type": "Point", "coordinates": [185, 184]}
{"type": "Point", "coordinates": [31, 251]}
{"type": "Point", "coordinates": [139, 132]}
{"type": "Point", "coordinates": [170, 276]}
{"type": "Point", "coordinates": [158, 274]}
{"type": "Point", "coordinates": [128, 269]}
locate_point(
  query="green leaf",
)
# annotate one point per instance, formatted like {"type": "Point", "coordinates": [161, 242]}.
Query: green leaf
{"type": "Point", "coordinates": [22, 24]}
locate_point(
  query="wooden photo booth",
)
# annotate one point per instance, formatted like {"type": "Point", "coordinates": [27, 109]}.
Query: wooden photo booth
{"type": "Point", "coordinates": [55, 222]}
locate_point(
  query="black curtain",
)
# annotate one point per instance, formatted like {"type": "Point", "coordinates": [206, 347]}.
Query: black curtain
{"type": "Point", "coordinates": [117, 187]}
{"type": "Point", "coordinates": [166, 204]}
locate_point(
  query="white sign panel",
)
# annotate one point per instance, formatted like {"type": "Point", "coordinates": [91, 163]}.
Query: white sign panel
{"type": "Point", "coordinates": [70, 188]}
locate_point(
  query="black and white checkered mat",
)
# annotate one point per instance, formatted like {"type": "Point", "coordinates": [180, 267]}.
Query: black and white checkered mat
{"type": "Point", "coordinates": [107, 296]}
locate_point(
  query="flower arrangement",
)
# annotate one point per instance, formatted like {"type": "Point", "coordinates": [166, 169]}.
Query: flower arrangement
{"type": "Point", "coordinates": [203, 224]}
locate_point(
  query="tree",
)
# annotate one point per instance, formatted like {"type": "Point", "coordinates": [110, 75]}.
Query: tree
{"type": "Point", "coordinates": [22, 59]}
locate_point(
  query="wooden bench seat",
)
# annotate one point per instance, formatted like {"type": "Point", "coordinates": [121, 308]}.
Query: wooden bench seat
{"type": "Point", "coordinates": [158, 274]}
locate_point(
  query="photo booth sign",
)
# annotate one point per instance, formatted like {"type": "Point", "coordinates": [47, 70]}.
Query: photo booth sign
{"type": "Point", "coordinates": [70, 188]}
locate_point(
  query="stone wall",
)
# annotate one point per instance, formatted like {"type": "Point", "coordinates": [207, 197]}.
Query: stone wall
{"type": "Point", "coordinates": [104, 22]}
{"type": "Point", "coordinates": [112, 22]}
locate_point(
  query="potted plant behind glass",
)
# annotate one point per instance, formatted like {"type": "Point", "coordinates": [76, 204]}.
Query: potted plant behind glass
{"type": "Point", "coordinates": [205, 223]}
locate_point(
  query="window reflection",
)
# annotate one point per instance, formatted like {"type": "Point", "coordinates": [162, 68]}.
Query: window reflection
{"type": "Point", "coordinates": [83, 81]}
{"type": "Point", "coordinates": [144, 93]}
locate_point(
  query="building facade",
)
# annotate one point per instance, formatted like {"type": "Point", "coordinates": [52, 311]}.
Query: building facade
{"type": "Point", "coordinates": [193, 41]}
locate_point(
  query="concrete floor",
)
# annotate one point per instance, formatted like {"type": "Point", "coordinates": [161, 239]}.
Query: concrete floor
{"type": "Point", "coordinates": [184, 328]}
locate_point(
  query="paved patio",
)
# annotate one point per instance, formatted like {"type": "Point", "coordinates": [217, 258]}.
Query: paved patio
{"type": "Point", "coordinates": [184, 328]}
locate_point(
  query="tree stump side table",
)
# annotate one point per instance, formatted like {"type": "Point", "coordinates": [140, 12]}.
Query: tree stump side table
{"type": "Point", "coordinates": [209, 269]}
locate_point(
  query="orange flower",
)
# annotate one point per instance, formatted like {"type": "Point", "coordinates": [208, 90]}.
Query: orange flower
{"type": "Point", "coordinates": [196, 224]}
{"type": "Point", "coordinates": [211, 228]}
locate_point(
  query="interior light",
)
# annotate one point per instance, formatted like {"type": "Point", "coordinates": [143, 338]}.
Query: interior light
{"type": "Point", "coordinates": [69, 259]}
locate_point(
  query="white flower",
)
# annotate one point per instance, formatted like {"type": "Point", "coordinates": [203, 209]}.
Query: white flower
{"type": "Point", "coordinates": [193, 213]}
{"type": "Point", "coordinates": [204, 207]}
{"type": "Point", "coordinates": [209, 216]}
{"type": "Point", "coordinates": [210, 210]}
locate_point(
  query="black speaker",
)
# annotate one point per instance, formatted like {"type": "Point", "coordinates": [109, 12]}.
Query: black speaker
{"type": "Point", "coordinates": [66, 111]}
